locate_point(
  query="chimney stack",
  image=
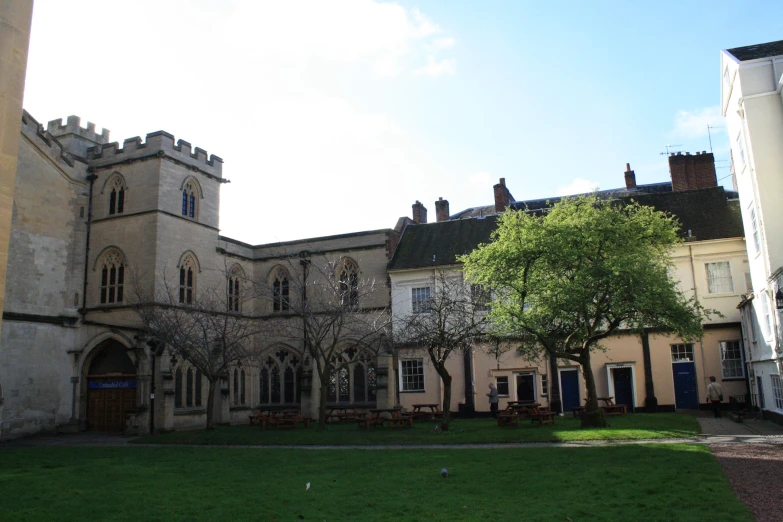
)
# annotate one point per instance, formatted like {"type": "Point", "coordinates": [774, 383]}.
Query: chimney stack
{"type": "Point", "coordinates": [419, 213]}
{"type": "Point", "coordinates": [692, 172]}
{"type": "Point", "coordinates": [442, 210]}
{"type": "Point", "coordinates": [630, 177]}
{"type": "Point", "coordinates": [502, 196]}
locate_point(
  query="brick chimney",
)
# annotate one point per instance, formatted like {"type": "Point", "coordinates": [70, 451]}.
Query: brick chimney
{"type": "Point", "coordinates": [419, 213]}
{"type": "Point", "coordinates": [630, 177]}
{"type": "Point", "coordinates": [692, 172]}
{"type": "Point", "coordinates": [442, 210]}
{"type": "Point", "coordinates": [502, 196]}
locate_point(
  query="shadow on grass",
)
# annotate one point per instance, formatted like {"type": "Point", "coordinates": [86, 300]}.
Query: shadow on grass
{"type": "Point", "coordinates": [463, 431]}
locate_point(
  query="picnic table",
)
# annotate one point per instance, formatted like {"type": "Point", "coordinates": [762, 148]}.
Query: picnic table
{"type": "Point", "coordinates": [342, 413]}
{"type": "Point", "coordinates": [279, 418]}
{"type": "Point", "coordinates": [533, 411]}
{"type": "Point", "coordinates": [420, 411]}
{"type": "Point", "coordinates": [610, 408]}
{"type": "Point", "coordinates": [393, 417]}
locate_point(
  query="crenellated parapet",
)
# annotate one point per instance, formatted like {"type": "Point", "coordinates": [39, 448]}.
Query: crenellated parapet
{"type": "Point", "coordinates": [73, 126]}
{"type": "Point", "coordinates": [157, 144]}
{"type": "Point", "coordinates": [33, 131]}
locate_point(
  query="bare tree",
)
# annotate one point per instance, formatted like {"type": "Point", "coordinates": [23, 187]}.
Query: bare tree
{"type": "Point", "coordinates": [331, 307]}
{"type": "Point", "coordinates": [204, 326]}
{"type": "Point", "coordinates": [450, 321]}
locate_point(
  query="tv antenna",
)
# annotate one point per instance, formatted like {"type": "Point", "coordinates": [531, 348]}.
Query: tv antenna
{"type": "Point", "coordinates": [709, 134]}
{"type": "Point", "coordinates": [669, 151]}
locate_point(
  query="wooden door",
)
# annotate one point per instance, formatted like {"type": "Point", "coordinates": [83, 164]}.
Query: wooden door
{"type": "Point", "coordinates": [108, 407]}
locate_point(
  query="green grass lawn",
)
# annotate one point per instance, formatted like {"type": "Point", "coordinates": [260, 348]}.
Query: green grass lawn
{"type": "Point", "coordinates": [638, 482]}
{"type": "Point", "coordinates": [627, 427]}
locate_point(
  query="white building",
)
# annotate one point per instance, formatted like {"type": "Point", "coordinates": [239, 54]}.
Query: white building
{"type": "Point", "coordinates": [751, 103]}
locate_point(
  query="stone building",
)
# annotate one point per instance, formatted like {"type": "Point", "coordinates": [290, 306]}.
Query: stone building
{"type": "Point", "coordinates": [94, 225]}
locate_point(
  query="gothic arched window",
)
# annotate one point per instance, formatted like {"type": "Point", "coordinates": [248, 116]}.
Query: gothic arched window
{"type": "Point", "coordinates": [349, 285]}
{"type": "Point", "coordinates": [280, 291]}
{"type": "Point", "coordinates": [280, 379]}
{"type": "Point", "coordinates": [233, 290]}
{"type": "Point", "coordinates": [187, 280]}
{"type": "Point", "coordinates": [112, 277]}
{"type": "Point", "coordinates": [189, 191]}
{"type": "Point", "coordinates": [117, 196]}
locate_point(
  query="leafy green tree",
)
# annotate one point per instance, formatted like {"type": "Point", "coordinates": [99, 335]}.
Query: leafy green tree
{"type": "Point", "coordinates": [574, 275]}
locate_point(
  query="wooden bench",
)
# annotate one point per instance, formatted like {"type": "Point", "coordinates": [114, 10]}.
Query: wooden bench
{"type": "Point", "coordinates": [399, 420]}
{"type": "Point", "coordinates": [543, 417]}
{"type": "Point", "coordinates": [369, 420]}
{"type": "Point", "coordinates": [508, 419]}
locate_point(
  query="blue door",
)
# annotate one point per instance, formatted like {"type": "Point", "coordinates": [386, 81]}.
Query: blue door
{"type": "Point", "coordinates": [685, 395]}
{"type": "Point", "coordinates": [623, 387]}
{"type": "Point", "coordinates": [569, 389]}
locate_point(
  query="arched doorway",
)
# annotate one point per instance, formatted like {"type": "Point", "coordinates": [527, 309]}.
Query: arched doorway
{"type": "Point", "coordinates": [111, 388]}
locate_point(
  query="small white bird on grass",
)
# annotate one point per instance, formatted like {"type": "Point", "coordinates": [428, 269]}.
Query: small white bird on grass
{"type": "Point", "coordinates": [444, 473]}
{"type": "Point", "coordinates": [307, 486]}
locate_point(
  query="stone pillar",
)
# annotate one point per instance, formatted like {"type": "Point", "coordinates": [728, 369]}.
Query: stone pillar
{"type": "Point", "coordinates": [15, 19]}
{"type": "Point", "coordinates": [164, 396]}
{"type": "Point", "coordinates": [384, 391]}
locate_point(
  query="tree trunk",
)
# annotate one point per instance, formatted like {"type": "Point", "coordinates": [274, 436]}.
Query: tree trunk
{"type": "Point", "coordinates": [593, 416]}
{"type": "Point", "coordinates": [446, 378]}
{"type": "Point", "coordinates": [211, 404]}
{"type": "Point", "coordinates": [324, 385]}
{"type": "Point", "coordinates": [555, 402]}
{"type": "Point", "coordinates": [650, 400]}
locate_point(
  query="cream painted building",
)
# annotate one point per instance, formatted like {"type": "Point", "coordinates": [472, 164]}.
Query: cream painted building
{"type": "Point", "coordinates": [711, 264]}
{"type": "Point", "coordinates": [751, 82]}
{"type": "Point", "coordinates": [92, 223]}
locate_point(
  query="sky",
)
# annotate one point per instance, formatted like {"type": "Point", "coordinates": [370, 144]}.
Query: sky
{"type": "Point", "coordinates": [336, 116]}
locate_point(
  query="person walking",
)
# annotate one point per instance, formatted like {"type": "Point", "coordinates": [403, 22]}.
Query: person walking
{"type": "Point", "coordinates": [493, 399]}
{"type": "Point", "coordinates": [715, 396]}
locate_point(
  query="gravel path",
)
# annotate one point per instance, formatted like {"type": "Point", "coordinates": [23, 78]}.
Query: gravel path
{"type": "Point", "coordinates": [755, 472]}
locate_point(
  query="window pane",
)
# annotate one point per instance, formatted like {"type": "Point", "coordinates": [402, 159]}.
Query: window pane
{"type": "Point", "coordinates": [731, 359]}
{"type": "Point", "coordinates": [275, 385]}
{"type": "Point", "coordinates": [358, 383]}
{"type": "Point", "coordinates": [682, 352]}
{"type": "Point", "coordinates": [264, 386]}
{"type": "Point", "coordinates": [719, 278]}
{"type": "Point", "coordinates": [184, 203]}
{"type": "Point", "coordinates": [198, 387]}
{"type": "Point", "coordinates": [412, 374]}
{"type": "Point", "coordinates": [420, 300]}
{"type": "Point", "coordinates": [121, 201]}
{"type": "Point", "coordinates": [189, 389]}
{"type": "Point", "coordinates": [178, 389]}
{"type": "Point", "coordinates": [112, 200]}
{"type": "Point", "coordinates": [288, 385]}
{"type": "Point", "coordinates": [502, 386]}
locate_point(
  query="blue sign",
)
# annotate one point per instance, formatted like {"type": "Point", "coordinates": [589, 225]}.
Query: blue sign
{"type": "Point", "coordinates": [111, 384]}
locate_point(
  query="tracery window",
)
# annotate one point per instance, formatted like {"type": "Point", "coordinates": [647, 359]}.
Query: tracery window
{"type": "Point", "coordinates": [280, 380]}
{"type": "Point", "coordinates": [349, 285]}
{"type": "Point", "coordinates": [233, 291]}
{"type": "Point", "coordinates": [188, 388]}
{"type": "Point", "coordinates": [189, 199]}
{"type": "Point", "coordinates": [187, 280]}
{"type": "Point", "coordinates": [352, 378]}
{"type": "Point", "coordinates": [117, 196]}
{"type": "Point", "coordinates": [112, 277]}
{"type": "Point", "coordinates": [280, 291]}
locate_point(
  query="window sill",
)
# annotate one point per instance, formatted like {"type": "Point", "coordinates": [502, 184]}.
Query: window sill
{"type": "Point", "coordinates": [413, 391]}
{"type": "Point", "coordinates": [189, 411]}
{"type": "Point", "coordinates": [240, 407]}
{"type": "Point", "coordinates": [732, 379]}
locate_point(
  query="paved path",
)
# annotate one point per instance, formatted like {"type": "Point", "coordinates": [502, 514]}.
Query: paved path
{"type": "Point", "coordinates": [714, 431]}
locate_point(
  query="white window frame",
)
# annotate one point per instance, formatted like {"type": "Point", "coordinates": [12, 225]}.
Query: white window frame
{"type": "Point", "coordinates": [682, 349]}
{"type": "Point", "coordinates": [739, 362]}
{"type": "Point", "coordinates": [777, 391]}
{"type": "Point", "coordinates": [755, 229]}
{"type": "Point", "coordinates": [508, 385]}
{"type": "Point", "coordinates": [719, 279]}
{"type": "Point", "coordinates": [420, 299]}
{"type": "Point", "coordinates": [404, 373]}
{"type": "Point", "coordinates": [741, 147]}
{"type": "Point", "coordinates": [766, 328]}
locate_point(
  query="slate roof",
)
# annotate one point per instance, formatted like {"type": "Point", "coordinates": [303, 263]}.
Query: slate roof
{"type": "Point", "coordinates": [753, 52]}
{"type": "Point", "coordinates": [437, 244]}
{"type": "Point", "coordinates": [704, 214]}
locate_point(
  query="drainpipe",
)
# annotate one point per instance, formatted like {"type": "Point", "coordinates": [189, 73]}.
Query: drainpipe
{"type": "Point", "coordinates": [91, 178]}
{"type": "Point", "coordinates": [696, 296]}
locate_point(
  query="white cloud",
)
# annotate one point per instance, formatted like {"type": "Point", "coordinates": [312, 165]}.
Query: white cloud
{"type": "Point", "coordinates": [442, 43]}
{"type": "Point", "coordinates": [437, 68]}
{"type": "Point", "coordinates": [693, 124]}
{"type": "Point", "coordinates": [577, 186]}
